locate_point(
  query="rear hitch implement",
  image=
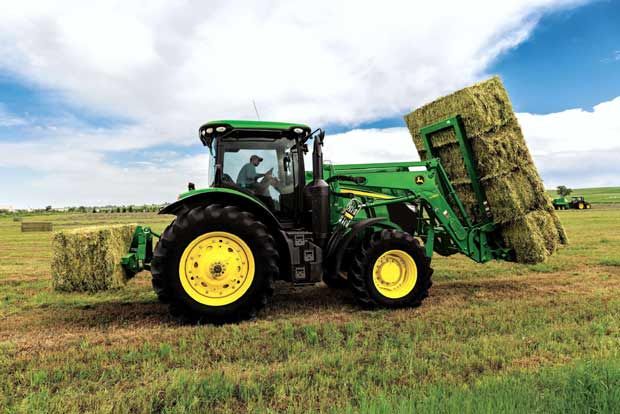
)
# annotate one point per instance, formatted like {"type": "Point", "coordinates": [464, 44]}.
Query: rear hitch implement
{"type": "Point", "coordinates": [140, 253]}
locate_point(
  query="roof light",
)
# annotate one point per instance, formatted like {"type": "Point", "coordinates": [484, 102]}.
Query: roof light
{"type": "Point", "coordinates": [298, 130]}
{"type": "Point", "coordinates": [220, 129]}
{"type": "Point", "coordinates": [209, 130]}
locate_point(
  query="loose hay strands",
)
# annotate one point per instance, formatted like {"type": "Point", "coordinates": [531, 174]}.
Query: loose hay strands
{"type": "Point", "coordinates": [88, 259]}
{"type": "Point", "coordinates": [513, 188]}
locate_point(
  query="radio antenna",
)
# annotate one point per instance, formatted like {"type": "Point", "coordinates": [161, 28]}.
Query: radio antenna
{"type": "Point", "coordinates": [255, 109]}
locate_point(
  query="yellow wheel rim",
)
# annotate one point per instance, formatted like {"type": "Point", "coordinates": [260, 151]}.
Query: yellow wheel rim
{"type": "Point", "coordinates": [580, 206]}
{"type": "Point", "coordinates": [217, 268]}
{"type": "Point", "coordinates": [395, 274]}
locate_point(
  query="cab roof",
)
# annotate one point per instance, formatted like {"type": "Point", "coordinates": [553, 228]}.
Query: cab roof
{"type": "Point", "coordinates": [243, 124]}
{"type": "Point", "coordinates": [247, 129]}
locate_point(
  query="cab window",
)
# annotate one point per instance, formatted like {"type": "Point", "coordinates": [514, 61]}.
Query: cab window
{"type": "Point", "coordinates": [263, 168]}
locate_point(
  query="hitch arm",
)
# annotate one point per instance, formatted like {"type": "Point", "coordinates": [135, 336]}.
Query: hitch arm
{"type": "Point", "coordinates": [140, 253]}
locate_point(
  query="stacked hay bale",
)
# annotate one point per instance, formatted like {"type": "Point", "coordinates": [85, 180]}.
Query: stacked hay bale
{"type": "Point", "coordinates": [88, 259]}
{"type": "Point", "coordinates": [514, 190]}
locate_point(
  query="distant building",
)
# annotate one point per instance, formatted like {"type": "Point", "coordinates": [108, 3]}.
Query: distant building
{"type": "Point", "coordinates": [10, 209]}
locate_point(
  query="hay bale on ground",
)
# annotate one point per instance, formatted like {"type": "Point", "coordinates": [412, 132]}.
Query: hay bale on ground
{"type": "Point", "coordinates": [37, 226]}
{"type": "Point", "coordinates": [88, 259]}
{"type": "Point", "coordinates": [514, 190]}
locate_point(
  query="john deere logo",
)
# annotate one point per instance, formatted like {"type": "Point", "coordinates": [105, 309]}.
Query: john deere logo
{"type": "Point", "coordinates": [419, 180]}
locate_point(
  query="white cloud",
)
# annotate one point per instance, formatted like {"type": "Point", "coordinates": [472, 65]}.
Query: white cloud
{"type": "Point", "coordinates": [370, 145]}
{"type": "Point", "coordinates": [614, 57]}
{"type": "Point", "coordinates": [317, 62]}
{"type": "Point", "coordinates": [9, 120]}
{"type": "Point", "coordinates": [576, 147]}
{"type": "Point", "coordinates": [65, 176]}
{"type": "Point", "coordinates": [574, 129]}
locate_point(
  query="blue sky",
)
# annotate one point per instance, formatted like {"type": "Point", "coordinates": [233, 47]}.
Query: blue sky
{"type": "Point", "coordinates": [89, 116]}
{"type": "Point", "coordinates": [570, 61]}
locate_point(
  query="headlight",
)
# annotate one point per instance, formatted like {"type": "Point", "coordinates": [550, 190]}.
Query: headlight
{"type": "Point", "coordinates": [298, 130]}
{"type": "Point", "coordinates": [220, 129]}
{"type": "Point", "coordinates": [209, 130]}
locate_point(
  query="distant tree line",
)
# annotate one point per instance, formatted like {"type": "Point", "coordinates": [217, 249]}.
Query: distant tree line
{"type": "Point", "coordinates": [117, 209]}
{"type": "Point", "coordinates": [144, 208]}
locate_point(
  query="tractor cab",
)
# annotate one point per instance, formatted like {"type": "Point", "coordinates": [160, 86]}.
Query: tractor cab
{"type": "Point", "coordinates": [264, 160]}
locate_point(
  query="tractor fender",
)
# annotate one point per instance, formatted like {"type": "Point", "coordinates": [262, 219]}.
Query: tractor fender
{"type": "Point", "coordinates": [231, 197]}
{"type": "Point", "coordinates": [335, 256]}
{"type": "Point", "coordinates": [225, 196]}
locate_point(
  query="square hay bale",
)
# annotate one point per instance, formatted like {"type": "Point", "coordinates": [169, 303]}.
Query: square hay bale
{"type": "Point", "coordinates": [527, 222]}
{"type": "Point", "coordinates": [88, 259]}
{"type": "Point", "coordinates": [36, 226]}
{"type": "Point", "coordinates": [532, 236]}
{"type": "Point", "coordinates": [486, 105]}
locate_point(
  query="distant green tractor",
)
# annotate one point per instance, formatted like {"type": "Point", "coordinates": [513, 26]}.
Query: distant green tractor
{"type": "Point", "coordinates": [358, 225]}
{"type": "Point", "coordinates": [576, 203]}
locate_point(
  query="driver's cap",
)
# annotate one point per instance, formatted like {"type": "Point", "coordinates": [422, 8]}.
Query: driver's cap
{"type": "Point", "coordinates": [260, 159]}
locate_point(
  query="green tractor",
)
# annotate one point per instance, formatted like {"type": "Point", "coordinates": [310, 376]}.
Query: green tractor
{"type": "Point", "coordinates": [370, 227]}
{"type": "Point", "coordinates": [575, 202]}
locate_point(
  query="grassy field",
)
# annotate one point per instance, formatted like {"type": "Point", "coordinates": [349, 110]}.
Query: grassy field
{"type": "Point", "coordinates": [600, 195]}
{"type": "Point", "coordinates": [490, 338]}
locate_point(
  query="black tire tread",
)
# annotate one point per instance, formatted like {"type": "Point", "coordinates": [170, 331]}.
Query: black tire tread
{"type": "Point", "coordinates": [361, 263]}
{"type": "Point", "coordinates": [167, 250]}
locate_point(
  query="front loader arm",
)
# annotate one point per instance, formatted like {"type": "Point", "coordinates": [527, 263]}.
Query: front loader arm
{"type": "Point", "coordinates": [443, 230]}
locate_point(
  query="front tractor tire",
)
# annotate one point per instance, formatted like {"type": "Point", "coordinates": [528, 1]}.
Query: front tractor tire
{"type": "Point", "coordinates": [215, 264]}
{"type": "Point", "coordinates": [390, 271]}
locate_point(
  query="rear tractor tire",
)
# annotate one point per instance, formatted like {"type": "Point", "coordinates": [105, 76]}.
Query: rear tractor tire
{"type": "Point", "coordinates": [215, 264]}
{"type": "Point", "coordinates": [391, 270]}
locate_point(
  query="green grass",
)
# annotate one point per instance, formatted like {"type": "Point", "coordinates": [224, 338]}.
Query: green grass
{"type": "Point", "coordinates": [601, 195]}
{"type": "Point", "coordinates": [610, 262]}
{"type": "Point", "coordinates": [573, 388]}
{"type": "Point", "coordinates": [499, 337]}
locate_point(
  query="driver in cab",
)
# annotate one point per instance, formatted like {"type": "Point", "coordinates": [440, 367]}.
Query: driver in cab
{"type": "Point", "coordinates": [248, 176]}
{"type": "Point", "coordinates": [248, 179]}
